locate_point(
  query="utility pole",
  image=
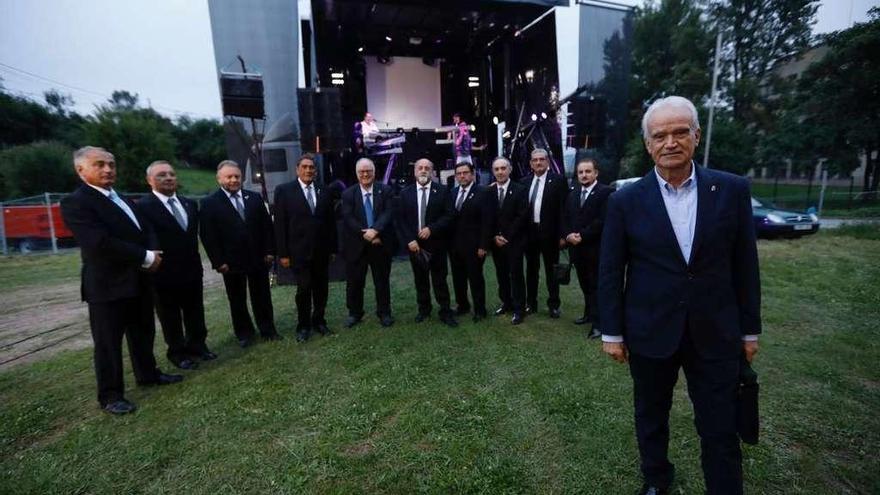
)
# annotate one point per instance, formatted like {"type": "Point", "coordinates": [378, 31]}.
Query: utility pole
{"type": "Point", "coordinates": [712, 99]}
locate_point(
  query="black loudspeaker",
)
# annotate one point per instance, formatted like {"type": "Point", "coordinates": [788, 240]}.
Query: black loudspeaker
{"type": "Point", "coordinates": [320, 116]}
{"type": "Point", "coordinates": [242, 95]}
{"type": "Point", "coordinates": [590, 117]}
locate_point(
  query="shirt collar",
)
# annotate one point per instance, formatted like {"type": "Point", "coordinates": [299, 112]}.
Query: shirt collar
{"type": "Point", "coordinates": [365, 191]}
{"type": "Point", "coordinates": [690, 181]}
{"type": "Point", "coordinates": [229, 194]}
{"type": "Point", "coordinates": [105, 192]}
{"type": "Point", "coordinates": [498, 184]}
{"type": "Point", "coordinates": [164, 198]}
{"type": "Point", "coordinates": [304, 185]}
{"type": "Point", "coordinates": [590, 187]}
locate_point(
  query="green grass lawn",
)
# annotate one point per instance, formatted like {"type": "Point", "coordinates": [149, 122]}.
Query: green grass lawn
{"type": "Point", "coordinates": [484, 408]}
{"type": "Point", "coordinates": [196, 182]}
{"type": "Point", "coordinates": [837, 201]}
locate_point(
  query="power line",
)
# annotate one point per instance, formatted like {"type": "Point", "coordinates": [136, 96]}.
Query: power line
{"type": "Point", "coordinates": [95, 93]}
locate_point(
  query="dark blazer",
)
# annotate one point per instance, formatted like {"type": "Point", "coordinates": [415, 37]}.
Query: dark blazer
{"type": "Point", "coordinates": [181, 261]}
{"type": "Point", "coordinates": [241, 244]}
{"type": "Point", "coordinates": [648, 292]}
{"type": "Point", "coordinates": [511, 220]}
{"type": "Point", "coordinates": [300, 234]}
{"type": "Point", "coordinates": [471, 226]}
{"type": "Point", "coordinates": [438, 217]}
{"type": "Point", "coordinates": [587, 220]}
{"type": "Point", "coordinates": [555, 191]}
{"type": "Point", "coordinates": [354, 219]}
{"type": "Point", "coordinates": [112, 247]}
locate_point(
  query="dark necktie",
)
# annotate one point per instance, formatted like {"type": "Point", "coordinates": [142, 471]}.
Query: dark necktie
{"type": "Point", "coordinates": [310, 198]}
{"type": "Point", "coordinates": [368, 210]}
{"type": "Point", "coordinates": [500, 196]}
{"type": "Point", "coordinates": [583, 195]}
{"type": "Point", "coordinates": [423, 208]}
{"type": "Point", "coordinates": [176, 212]}
{"type": "Point", "coordinates": [239, 206]}
{"type": "Point", "coordinates": [460, 201]}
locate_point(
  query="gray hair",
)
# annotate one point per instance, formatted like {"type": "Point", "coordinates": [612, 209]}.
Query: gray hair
{"type": "Point", "coordinates": [80, 154]}
{"type": "Point", "coordinates": [156, 163]}
{"type": "Point", "coordinates": [501, 158]}
{"type": "Point", "coordinates": [366, 161]}
{"type": "Point", "coordinates": [227, 163]}
{"type": "Point", "coordinates": [670, 102]}
{"type": "Point", "coordinates": [539, 151]}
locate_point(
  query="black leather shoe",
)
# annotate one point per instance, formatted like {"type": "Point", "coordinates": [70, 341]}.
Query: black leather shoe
{"type": "Point", "coordinates": [245, 342]}
{"type": "Point", "coordinates": [583, 320]}
{"type": "Point", "coordinates": [422, 317]}
{"type": "Point", "coordinates": [652, 490]}
{"type": "Point", "coordinates": [386, 321]}
{"type": "Point", "coordinates": [555, 313]}
{"type": "Point", "coordinates": [517, 319]}
{"type": "Point", "coordinates": [449, 321]}
{"type": "Point", "coordinates": [530, 310]}
{"type": "Point", "coordinates": [594, 333]}
{"type": "Point", "coordinates": [501, 311]}
{"type": "Point", "coordinates": [352, 321]}
{"type": "Point", "coordinates": [185, 364]}
{"type": "Point", "coordinates": [207, 355]}
{"type": "Point", "coordinates": [479, 315]}
{"type": "Point", "coordinates": [167, 379]}
{"type": "Point", "coordinates": [273, 336]}
{"type": "Point", "coordinates": [323, 329]}
{"type": "Point", "coordinates": [119, 407]}
{"type": "Point", "coordinates": [303, 335]}
{"type": "Point", "coordinates": [462, 310]}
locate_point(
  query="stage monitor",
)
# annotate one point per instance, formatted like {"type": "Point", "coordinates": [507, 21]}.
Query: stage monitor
{"type": "Point", "coordinates": [404, 93]}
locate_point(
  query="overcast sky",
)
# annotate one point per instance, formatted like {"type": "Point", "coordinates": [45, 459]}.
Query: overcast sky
{"type": "Point", "coordinates": [160, 49]}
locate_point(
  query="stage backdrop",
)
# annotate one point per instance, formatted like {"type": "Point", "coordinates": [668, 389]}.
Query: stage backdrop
{"type": "Point", "coordinates": [404, 93]}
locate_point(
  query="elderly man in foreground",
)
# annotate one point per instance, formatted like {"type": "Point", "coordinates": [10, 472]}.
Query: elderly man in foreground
{"type": "Point", "coordinates": [679, 288]}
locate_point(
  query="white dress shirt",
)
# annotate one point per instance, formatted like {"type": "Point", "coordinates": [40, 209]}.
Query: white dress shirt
{"type": "Point", "coordinates": [538, 181]}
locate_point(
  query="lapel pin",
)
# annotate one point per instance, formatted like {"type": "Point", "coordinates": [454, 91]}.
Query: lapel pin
{"type": "Point", "coordinates": [713, 188]}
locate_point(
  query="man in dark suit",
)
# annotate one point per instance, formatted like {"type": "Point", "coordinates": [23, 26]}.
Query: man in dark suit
{"type": "Point", "coordinates": [582, 221]}
{"type": "Point", "coordinates": [470, 241]}
{"type": "Point", "coordinates": [305, 228]}
{"type": "Point", "coordinates": [116, 258]}
{"type": "Point", "coordinates": [422, 220]}
{"type": "Point", "coordinates": [679, 288]}
{"type": "Point", "coordinates": [367, 242]}
{"type": "Point", "coordinates": [178, 282]}
{"type": "Point", "coordinates": [547, 192]}
{"type": "Point", "coordinates": [508, 207]}
{"type": "Point", "coordinates": [237, 234]}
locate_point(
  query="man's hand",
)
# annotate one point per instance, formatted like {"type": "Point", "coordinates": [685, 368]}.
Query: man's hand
{"type": "Point", "coordinates": [561, 243]}
{"type": "Point", "coordinates": [376, 241]}
{"type": "Point", "coordinates": [370, 234]}
{"type": "Point", "coordinates": [424, 233]}
{"type": "Point", "coordinates": [500, 241]}
{"type": "Point", "coordinates": [750, 348]}
{"type": "Point", "coordinates": [157, 260]}
{"type": "Point", "coordinates": [574, 238]}
{"type": "Point", "coordinates": [413, 246]}
{"type": "Point", "coordinates": [617, 351]}
{"type": "Point", "coordinates": [269, 259]}
{"type": "Point", "coordinates": [224, 268]}
{"type": "Point", "coordinates": [481, 253]}
{"type": "Point", "coordinates": [285, 262]}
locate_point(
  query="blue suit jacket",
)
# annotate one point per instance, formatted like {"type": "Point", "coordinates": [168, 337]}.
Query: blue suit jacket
{"type": "Point", "coordinates": [651, 295]}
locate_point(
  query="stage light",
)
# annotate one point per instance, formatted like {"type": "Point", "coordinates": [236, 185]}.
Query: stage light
{"type": "Point", "coordinates": [387, 38]}
{"type": "Point", "coordinates": [415, 40]}
{"type": "Point", "coordinates": [473, 78]}
{"type": "Point", "coordinates": [473, 84]}
{"type": "Point", "coordinates": [495, 120]}
{"type": "Point", "coordinates": [338, 82]}
{"type": "Point", "coordinates": [506, 135]}
{"type": "Point", "coordinates": [543, 115]}
{"type": "Point", "coordinates": [473, 128]}
{"type": "Point", "coordinates": [337, 75]}
{"type": "Point", "coordinates": [360, 49]}
{"type": "Point", "coordinates": [534, 117]}
{"type": "Point", "coordinates": [530, 75]}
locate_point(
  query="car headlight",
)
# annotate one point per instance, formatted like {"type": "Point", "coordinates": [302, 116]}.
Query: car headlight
{"type": "Point", "coordinates": [814, 218]}
{"type": "Point", "coordinates": [775, 218]}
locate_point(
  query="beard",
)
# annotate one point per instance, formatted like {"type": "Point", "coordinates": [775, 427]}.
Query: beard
{"type": "Point", "coordinates": [423, 179]}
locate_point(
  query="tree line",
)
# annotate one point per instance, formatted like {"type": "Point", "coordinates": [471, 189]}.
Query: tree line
{"type": "Point", "coordinates": [36, 141]}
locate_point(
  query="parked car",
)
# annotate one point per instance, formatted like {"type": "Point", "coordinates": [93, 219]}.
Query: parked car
{"type": "Point", "coordinates": [771, 222]}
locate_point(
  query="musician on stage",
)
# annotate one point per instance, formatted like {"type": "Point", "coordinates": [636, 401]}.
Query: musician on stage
{"type": "Point", "coordinates": [364, 131]}
{"type": "Point", "coordinates": [462, 140]}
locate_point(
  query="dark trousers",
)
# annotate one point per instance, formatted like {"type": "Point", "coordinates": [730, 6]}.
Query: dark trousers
{"type": "Point", "coordinates": [467, 269]}
{"type": "Point", "coordinates": [133, 318]}
{"type": "Point", "coordinates": [536, 250]}
{"type": "Point", "coordinates": [237, 287]}
{"type": "Point", "coordinates": [509, 272]}
{"type": "Point", "coordinates": [312, 289]}
{"type": "Point", "coordinates": [587, 268]}
{"type": "Point", "coordinates": [379, 263]}
{"type": "Point", "coordinates": [437, 270]}
{"type": "Point", "coordinates": [712, 390]}
{"type": "Point", "coordinates": [178, 306]}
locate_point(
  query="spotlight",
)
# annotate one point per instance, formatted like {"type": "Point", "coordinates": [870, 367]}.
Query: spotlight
{"type": "Point", "coordinates": [337, 82]}
{"type": "Point", "coordinates": [360, 49]}
{"type": "Point", "coordinates": [387, 38]}
{"type": "Point", "coordinates": [473, 78]}
{"type": "Point", "coordinates": [495, 120]}
{"type": "Point", "coordinates": [473, 128]}
{"type": "Point", "coordinates": [506, 135]}
{"type": "Point", "coordinates": [530, 75]}
{"type": "Point", "coordinates": [473, 84]}
{"type": "Point", "coordinates": [415, 40]}
{"type": "Point", "coordinates": [543, 115]}
{"type": "Point", "coordinates": [337, 75]}
{"type": "Point", "coordinates": [534, 117]}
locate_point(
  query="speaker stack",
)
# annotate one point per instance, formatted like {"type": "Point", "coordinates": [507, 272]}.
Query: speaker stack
{"type": "Point", "coordinates": [320, 120]}
{"type": "Point", "coordinates": [242, 95]}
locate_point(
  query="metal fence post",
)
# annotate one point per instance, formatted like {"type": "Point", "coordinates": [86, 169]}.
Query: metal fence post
{"type": "Point", "coordinates": [822, 191]}
{"type": "Point", "coordinates": [51, 223]}
{"type": "Point", "coordinates": [849, 200]}
{"type": "Point", "coordinates": [3, 230]}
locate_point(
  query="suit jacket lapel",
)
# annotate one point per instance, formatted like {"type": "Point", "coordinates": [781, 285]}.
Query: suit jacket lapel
{"type": "Point", "coordinates": [656, 208]}
{"type": "Point", "coordinates": [705, 208]}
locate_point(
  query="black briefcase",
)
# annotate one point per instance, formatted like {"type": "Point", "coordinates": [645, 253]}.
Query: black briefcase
{"type": "Point", "coordinates": [562, 273]}
{"type": "Point", "coordinates": [747, 420]}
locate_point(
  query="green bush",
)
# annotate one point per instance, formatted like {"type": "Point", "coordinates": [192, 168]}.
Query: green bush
{"type": "Point", "coordinates": [35, 168]}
